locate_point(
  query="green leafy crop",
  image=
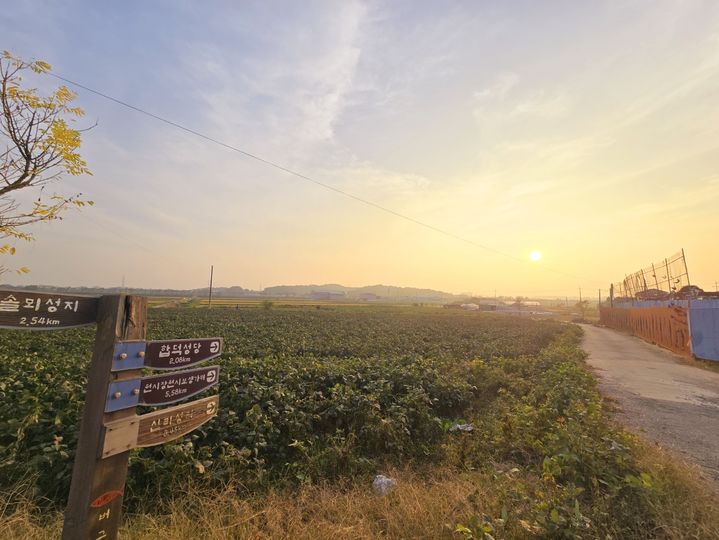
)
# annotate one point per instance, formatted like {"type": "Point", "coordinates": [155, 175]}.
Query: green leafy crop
{"type": "Point", "coordinates": [305, 394]}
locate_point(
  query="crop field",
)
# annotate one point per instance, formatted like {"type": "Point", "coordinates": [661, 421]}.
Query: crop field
{"type": "Point", "coordinates": [330, 397]}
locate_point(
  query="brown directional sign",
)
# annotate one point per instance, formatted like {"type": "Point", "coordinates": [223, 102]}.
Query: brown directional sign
{"type": "Point", "coordinates": [160, 389]}
{"type": "Point", "coordinates": [40, 311]}
{"type": "Point", "coordinates": [180, 353]}
{"type": "Point", "coordinates": [157, 427]}
{"type": "Point", "coordinates": [164, 389]}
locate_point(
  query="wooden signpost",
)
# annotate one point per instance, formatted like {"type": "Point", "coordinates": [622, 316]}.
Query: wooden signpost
{"type": "Point", "coordinates": [109, 428]}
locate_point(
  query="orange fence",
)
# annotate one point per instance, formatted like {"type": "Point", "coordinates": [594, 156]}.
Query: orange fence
{"type": "Point", "coordinates": [668, 327]}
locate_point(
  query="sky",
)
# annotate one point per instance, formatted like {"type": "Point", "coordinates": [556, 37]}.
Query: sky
{"type": "Point", "coordinates": [583, 130]}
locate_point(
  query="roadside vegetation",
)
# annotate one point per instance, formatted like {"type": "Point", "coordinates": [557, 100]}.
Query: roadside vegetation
{"type": "Point", "coordinates": [314, 403]}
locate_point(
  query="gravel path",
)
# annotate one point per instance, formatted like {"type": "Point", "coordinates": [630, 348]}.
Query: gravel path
{"type": "Point", "coordinates": [669, 401]}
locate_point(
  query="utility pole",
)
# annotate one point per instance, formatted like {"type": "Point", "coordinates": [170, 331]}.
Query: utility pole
{"type": "Point", "coordinates": [209, 301]}
{"type": "Point", "coordinates": [600, 298]}
{"type": "Point", "coordinates": [580, 295]}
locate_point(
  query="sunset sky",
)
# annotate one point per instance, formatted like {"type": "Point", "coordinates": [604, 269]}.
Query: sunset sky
{"type": "Point", "coordinates": [587, 131]}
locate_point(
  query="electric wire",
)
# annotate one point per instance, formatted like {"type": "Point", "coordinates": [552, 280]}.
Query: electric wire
{"type": "Point", "coordinates": [302, 176]}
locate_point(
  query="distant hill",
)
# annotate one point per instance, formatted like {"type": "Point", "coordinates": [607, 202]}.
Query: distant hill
{"type": "Point", "coordinates": [369, 292]}
{"type": "Point", "coordinates": [233, 292]}
{"type": "Point", "coordinates": [334, 291]}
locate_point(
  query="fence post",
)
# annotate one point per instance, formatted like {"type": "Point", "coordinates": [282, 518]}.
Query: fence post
{"type": "Point", "coordinates": [94, 508]}
{"type": "Point", "coordinates": [686, 270]}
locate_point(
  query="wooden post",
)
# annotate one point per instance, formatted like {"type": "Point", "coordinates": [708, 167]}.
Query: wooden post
{"type": "Point", "coordinates": [94, 508]}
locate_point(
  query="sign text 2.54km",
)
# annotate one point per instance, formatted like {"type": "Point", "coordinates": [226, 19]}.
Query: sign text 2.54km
{"type": "Point", "coordinates": [40, 311]}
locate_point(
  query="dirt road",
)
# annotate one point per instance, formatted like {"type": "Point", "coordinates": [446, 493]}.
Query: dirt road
{"type": "Point", "coordinates": [670, 402]}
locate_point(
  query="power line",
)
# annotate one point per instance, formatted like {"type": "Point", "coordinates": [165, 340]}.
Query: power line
{"type": "Point", "coordinates": [303, 176]}
{"type": "Point", "coordinates": [123, 237]}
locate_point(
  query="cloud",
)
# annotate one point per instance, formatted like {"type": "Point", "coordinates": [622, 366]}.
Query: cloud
{"type": "Point", "coordinates": [533, 188]}
{"type": "Point", "coordinates": [543, 104]}
{"type": "Point", "coordinates": [505, 105]}
{"type": "Point", "coordinates": [377, 184]}
{"type": "Point", "coordinates": [291, 94]}
{"type": "Point", "coordinates": [681, 201]}
{"type": "Point", "coordinates": [498, 90]}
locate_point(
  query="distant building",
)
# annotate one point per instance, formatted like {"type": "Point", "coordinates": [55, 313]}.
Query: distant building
{"type": "Point", "coordinates": [327, 295]}
{"type": "Point", "coordinates": [428, 299]}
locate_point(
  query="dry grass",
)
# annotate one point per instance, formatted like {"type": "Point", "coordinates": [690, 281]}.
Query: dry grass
{"type": "Point", "coordinates": [683, 500]}
{"type": "Point", "coordinates": [427, 505]}
{"type": "Point", "coordinates": [420, 507]}
{"type": "Point", "coordinates": [20, 519]}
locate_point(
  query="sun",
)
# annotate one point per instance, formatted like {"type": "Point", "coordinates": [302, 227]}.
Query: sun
{"type": "Point", "coordinates": [535, 255]}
